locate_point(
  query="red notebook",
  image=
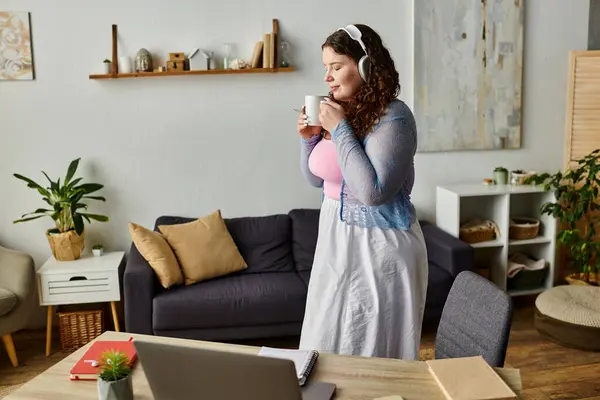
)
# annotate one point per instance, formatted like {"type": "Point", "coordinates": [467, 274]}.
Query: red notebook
{"type": "Point", "coordinates": [86, 368]}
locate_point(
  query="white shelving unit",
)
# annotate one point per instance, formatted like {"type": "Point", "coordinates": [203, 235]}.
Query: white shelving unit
{"type": "Point", "coordinates": [456, 204]}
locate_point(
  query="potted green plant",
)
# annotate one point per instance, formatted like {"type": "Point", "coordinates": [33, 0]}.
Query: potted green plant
{"type": "Point", "coordinates": [106, 64]}
{"type": "Point", "coordinates": [67, 206]}
{"type": "Point", "coordinates": [114, 376]}
{"type": "Point", "coordinates": [98, 250]}
{"type": "Point", "coordinates": [500, 176]}
{"type": "Point", "coordinates": [520, 177]}
{"type": "Point", "coordinates": [576, 207]}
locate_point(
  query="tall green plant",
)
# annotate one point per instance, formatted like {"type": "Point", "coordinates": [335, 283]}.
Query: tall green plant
{"type": "Point", "coordinates": [66, 201]}
{"type": "Point", "coordinates": [575, 206]}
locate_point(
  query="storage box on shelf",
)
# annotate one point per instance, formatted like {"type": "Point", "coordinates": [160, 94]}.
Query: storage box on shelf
{"type": "Point", "coordinates": [501, 204]}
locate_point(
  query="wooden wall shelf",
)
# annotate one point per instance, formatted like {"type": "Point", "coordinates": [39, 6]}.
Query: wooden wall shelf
{"type": "Point", "coordinates": [178, 73]}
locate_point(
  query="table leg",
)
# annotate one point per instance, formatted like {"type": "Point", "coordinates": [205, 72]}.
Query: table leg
{"type": "Point", "coordinates": [49, 331]}
{"type": "Point", "coordinates": [113, 306]}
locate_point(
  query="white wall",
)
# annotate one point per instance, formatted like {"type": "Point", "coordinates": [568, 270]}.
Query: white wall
{"type": "Point", "coordinates": [188, 145]}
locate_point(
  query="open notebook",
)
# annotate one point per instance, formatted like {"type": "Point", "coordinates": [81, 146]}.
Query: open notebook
{"type": "Point", "coordinates": [304, 360]}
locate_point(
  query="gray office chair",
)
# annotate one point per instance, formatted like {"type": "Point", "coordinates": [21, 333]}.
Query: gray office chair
{"type": "Point", "coordinates": [476, 320]}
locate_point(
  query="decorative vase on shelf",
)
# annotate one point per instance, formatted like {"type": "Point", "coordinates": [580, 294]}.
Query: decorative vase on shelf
{"type": "Point", "coordinates": [124, 65]}
{"type": "Point", "coordinates": [228, 55]}
{"type": "Point", "coordinates": [285, 49]}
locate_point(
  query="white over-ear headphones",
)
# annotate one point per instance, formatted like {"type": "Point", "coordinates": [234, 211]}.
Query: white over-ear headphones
{"type": "Point", "coordinates": [364, 62]}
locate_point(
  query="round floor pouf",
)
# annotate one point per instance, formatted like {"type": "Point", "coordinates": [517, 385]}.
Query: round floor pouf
{"type": "Point", "coordinates": [570, 315]}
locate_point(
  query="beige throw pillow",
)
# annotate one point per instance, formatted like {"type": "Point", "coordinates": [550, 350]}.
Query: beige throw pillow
{"type": "Point", "coordinates": [204, 248]}
{"type": "Point", "coordinates": [155, 249]}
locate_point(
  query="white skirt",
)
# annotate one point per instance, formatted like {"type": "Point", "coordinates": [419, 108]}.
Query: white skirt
{"type": "Point", "coordinates": [367, 289]}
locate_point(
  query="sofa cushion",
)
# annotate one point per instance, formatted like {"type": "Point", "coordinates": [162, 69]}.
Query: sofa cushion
{"type": "Point", "coordinates": [8, 300]}
{"type": "Point", "coordinates": [305, 229]}
{"type": "Point", "coordinates": [235, 300]}
{"type": "Point", "coordinates": [263, 241]}
{"type": "Point", "coordinates": [204, 248]}
{"type": "Point", "coordinates": [155, 249]}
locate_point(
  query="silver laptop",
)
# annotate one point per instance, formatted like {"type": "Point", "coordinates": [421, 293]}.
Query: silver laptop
{"type": "Point", "coordinates": [177, 372]}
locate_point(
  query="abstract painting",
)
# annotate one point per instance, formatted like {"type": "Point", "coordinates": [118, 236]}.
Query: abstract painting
{"type": "Point", "coordinates": [16, 58]}
{"type": "Point", "coordinates": [468, 74]}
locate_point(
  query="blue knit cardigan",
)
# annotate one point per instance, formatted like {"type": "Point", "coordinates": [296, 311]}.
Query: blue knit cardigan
{"type": "Point", "coordinates": [378, 171]}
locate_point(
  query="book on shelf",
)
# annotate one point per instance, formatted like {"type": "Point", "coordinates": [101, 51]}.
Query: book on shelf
{"type": "Point", "coordinates": [266, 62]}
{"type": "Point", "coordinates": [87, 367]}
{"type": "Point", "coordinates": [304, 360]}
{"type": "Point", "coordinates": [257, 55]}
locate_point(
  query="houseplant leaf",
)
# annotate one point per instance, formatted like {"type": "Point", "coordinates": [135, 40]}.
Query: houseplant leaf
{"type": "Point", "coordinates": [96, 217]}
{"type": "Point", "coordinates": [33, 185]}
{"type": "Point", "coordinates": [71, 170]}
{"type": "Point", "coordinates": [576, 206]}
{"type": "Point", "coordinates": [88, 188]}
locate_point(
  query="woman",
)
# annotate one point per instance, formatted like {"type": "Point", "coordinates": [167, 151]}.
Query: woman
{"type": "Point", "coordinates": [368, 283]}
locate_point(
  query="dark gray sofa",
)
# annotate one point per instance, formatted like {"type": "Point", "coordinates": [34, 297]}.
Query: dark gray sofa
{"type": "Point", "coordinates": [268, 298]}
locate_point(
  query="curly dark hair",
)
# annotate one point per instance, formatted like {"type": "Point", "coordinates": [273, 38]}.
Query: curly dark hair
{"type": "Point", "coordinates": [382, 86]}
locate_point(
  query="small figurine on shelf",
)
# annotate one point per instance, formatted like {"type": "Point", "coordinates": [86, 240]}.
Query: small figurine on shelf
{"type": "Point", "coordinates": [106, 66]}
{"type": "Point", "coordinates": [238, 63]}
{"type": "Point", "coordinates": [199, 60]}
{"type": "Point", "coordinates": [143, 61]}
{"type": "Point", "coordinates": [285, 54]}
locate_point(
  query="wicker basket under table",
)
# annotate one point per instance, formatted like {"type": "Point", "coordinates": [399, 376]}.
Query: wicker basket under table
{"type": "Point", "coordinates": [78, 328]}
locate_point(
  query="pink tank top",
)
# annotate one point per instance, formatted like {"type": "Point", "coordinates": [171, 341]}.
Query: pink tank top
{"type": "Point", "coordinates": [323, 162]}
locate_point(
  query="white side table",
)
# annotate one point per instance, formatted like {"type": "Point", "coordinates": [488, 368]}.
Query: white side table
{"type": "Point", "coordinates": [88, 279]}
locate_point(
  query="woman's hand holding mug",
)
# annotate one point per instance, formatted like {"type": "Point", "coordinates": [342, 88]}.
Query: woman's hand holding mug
{"type": "Point", "coordinates": [304, 129]}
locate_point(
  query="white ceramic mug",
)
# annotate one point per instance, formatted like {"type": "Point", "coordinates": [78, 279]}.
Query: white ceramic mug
{"type": "Point", "coordinates": [313, 108]}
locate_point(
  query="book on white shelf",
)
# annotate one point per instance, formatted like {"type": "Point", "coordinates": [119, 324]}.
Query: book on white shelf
{"type": "Point", "coordinates": [304, 360]}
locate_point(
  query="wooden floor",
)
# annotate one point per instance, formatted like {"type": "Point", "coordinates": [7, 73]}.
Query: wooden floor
{"type": "Point", "coordinates": [549, 371]}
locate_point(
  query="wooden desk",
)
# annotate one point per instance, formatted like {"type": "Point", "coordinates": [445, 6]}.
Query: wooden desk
{"type": "Point", "coordinates": [356, 377]}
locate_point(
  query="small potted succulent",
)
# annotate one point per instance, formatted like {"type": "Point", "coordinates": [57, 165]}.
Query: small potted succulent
{"type": "Point", "coordinates": [115, 379]}
{"type": "Point", "coordinates": [98, 250]}
{"type": "Point", "coordinates": [500, 176]}
{"type": "Point", "coordinates": [106, 66]}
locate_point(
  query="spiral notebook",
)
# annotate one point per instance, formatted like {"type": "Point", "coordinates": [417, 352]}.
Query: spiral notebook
{"type": "Point", "coordinates": [304, 360]}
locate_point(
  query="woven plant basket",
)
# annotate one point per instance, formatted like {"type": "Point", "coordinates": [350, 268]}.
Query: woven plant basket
{"type": "Point", "coordinates": [66, 246]}
{"type": "Point", "coordinates": [77, 328]}
{"type": "Point", "coordinates": [523, 228]}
